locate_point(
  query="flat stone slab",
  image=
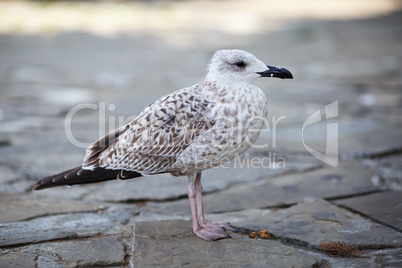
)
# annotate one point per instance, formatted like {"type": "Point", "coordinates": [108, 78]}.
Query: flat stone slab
{"type": "Point", "coordinates": [389, 257]}
{"type": "Point", "coordinates": [18, 259]}
{"type": "Point", "coordinates": [171, 243]}
{"type": "Point", "coordinates": [75, 192]}
{"type": "Point", "coordinates": [102, 251]}
{"type": "Point", "coordinates": [99, 251]}
{"type": "Point", "coordinates": [352, 137]}
{"type": "Point", "coordinates": [390, 169]}
{"type": "Point", "coordinates": [312, 222]}
{"type": "Point", "coordinates": [374, 258]}
{"type": "Point", "coordinates": [38, 155]}
{"type": "Point", "coordinates": [7, 175]}
{"type": "Point", "coordinates": [348, 178]}
{"type": "Point", "coordinates": [23, 207]}
{"type": "Point", "coordinates": [62, 226]}
{"type": "Point", "coordinates": [385, 207]}
{"type": "Point", "coordinates": [12, 180]}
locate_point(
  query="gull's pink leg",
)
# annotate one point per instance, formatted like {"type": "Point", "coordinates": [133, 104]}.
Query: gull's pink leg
{"type": "Point", "coordinates": [191, 197]}
{"type": "Point", "coordinates": [208, 234]}
{"type": "Point", "coordinates": [200, 210]}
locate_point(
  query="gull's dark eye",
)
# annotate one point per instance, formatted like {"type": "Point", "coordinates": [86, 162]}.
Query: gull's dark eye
{"type": "Point", "coordinates": [240, 64]}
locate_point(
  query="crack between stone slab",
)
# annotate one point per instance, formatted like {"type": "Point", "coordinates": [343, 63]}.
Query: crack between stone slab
{"type": "Point", "coordinates": [283, 240]}
{"type": "Point", "coordinates": [73, 237]}
{"type": "Point", "coordinates": [273, 207]}
{"type": "Point", "coordinates": [367, 216]}
{"type": "Point", "coordinates": [372, 155]}
{"type": "Point", "coordinates": [284, 206]}
{"type": "Point", "coordinates": [279, 206]}
{"type": "Point", "coordinates": [397, 151]}
{"type": "Point", "coordinates": [55, 214]}
{"type": "Point", "coordinates": [299, 244]}
{"type": "Point", "coordinates": [340, 197]}
{"type": "Point", "coordinates": [130, 261]}
{"type": "Point", "coordinates": [36, 261]}
{"type": "Point", "coordinates": [69, 238]}
{"type": "Point", "coordinates": [394, 151]}
{"type": "Point", "coordinates": [358, 155]}
{"type": "Point", "coordinates": [5, 142]}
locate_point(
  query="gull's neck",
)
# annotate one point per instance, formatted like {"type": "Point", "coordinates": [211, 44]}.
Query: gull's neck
{"type": "Point", "coordinates": [227, 81]}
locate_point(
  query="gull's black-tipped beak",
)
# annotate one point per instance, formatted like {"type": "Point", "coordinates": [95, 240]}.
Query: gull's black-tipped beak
{"type": "Point", "coordinates": [276, 72]}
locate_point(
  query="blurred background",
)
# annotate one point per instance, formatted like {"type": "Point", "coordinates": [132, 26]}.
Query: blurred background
{"type": "Point", "coordinates": [126, 54]}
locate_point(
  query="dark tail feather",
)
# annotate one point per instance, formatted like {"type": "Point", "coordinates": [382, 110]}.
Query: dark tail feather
{"type": "Point", "coordinates": [82, 176]}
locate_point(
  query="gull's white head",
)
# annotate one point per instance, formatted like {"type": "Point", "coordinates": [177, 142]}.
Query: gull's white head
{"type": "Point", "coordinates": [231, 66]}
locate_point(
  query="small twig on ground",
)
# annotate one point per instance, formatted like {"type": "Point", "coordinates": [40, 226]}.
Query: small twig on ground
{"type": "Point", "coordinates": [340, 248]}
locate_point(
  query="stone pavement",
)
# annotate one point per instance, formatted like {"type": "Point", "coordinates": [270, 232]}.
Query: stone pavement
{"type": "Point", "coordinates": [146, 222]}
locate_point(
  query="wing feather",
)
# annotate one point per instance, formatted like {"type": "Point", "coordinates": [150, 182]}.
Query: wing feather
{"type": "Point", "coordinates": [151, 142]}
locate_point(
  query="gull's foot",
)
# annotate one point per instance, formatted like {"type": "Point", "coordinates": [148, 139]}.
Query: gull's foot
{"type": "Point", "coordinates": [211, 234]}
{"type": "Point", "coordinates": [215, 225]}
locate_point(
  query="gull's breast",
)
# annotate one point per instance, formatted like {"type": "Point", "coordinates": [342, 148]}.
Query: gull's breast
{"type": "Point", "coordinates": [237, 124]}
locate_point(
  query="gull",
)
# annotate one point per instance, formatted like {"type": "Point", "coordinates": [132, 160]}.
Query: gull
{"type": "Point", "coordinates": [184, 133]}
